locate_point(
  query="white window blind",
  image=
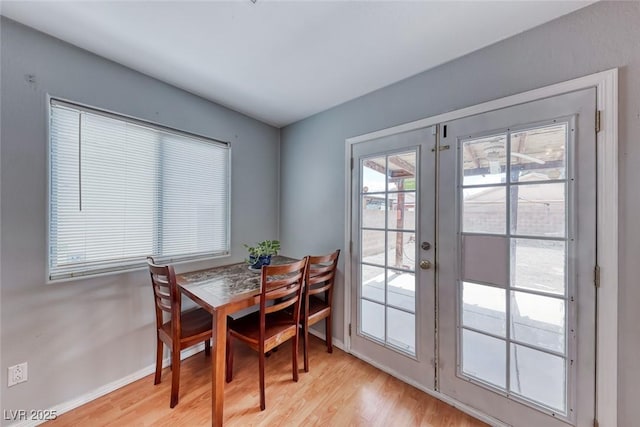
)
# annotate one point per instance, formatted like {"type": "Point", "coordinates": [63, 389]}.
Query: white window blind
{"type": "Point", "coordinates": [123, 189]}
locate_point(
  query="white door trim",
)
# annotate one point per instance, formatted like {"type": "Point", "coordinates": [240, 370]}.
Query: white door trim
{"type": "Point", "coordinates": [606, 84]}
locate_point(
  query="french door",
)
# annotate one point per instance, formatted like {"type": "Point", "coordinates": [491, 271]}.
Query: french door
{"type": "Point", "coordinates": [473, 255]}
{"type": "Point", "coordinates": [515, 261]}
{"type": "Point", "coordinates": [393, 197]}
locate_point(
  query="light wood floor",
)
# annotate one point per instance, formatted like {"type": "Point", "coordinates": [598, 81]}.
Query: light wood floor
{"type": "Point", "coordinates": [339, 390]}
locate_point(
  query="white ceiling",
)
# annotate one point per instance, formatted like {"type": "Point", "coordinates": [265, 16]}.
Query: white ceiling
{"type": "Point", "coordinates": [282, 61]}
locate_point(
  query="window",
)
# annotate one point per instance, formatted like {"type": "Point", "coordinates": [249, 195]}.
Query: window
{"type": "Point", "coordinates": [122, 189]}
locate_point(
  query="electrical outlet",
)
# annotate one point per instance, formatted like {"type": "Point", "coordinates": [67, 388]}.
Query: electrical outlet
{"type": "Point", "coordinates": [17, 374]}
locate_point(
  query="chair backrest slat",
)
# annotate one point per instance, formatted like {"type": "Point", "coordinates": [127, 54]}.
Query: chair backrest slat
{"type": "Point", "coordinates": [283, 291]}
{"type": "Point", "coordinates": [319, 290]}
{"type": "Point", "coordinates": [280, 305]}
{"type": "Point", "coordinates": [278, 283]}
{"type": "Point", "coordinates": [317, 275]}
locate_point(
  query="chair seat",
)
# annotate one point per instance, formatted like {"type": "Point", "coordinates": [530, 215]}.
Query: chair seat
{"type": "Point", "coordinates": [278, 328]}
{"type": "Point", "coordinates": [194, 322]}
{"type": "Point", "coordinates": [317, 307]}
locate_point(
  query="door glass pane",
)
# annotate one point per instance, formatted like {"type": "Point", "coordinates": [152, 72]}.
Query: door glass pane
{"type": "Point", "coordinates": [373, 247]}
{"type": "Point", "coordinates": [538, 320]}
{"type": "Point", "coordinates": [484, 308]}
{"type": "Point", "coordinates": [401, 290]}
{"type": "Point", "coordinates": [373, 174]}
{"type": "Point", "coordinates": [540, 210]}
{"type": "Point", "coordinates": [539, 154]}
{"type": "Point", "coordinates": [539, 265]}
{"type": "Point", "coordinates": [484, 358]}
{"type": "Point", "coordinates": [538, 376]}
{"type": "Point", "coordinates": [402, 250]}
{"type": "Point", "coordinates": [401, 328]}
{"type": "Point", "coordinates": [402, 171]}
{"type": "Point", "coordinates": [484, 210]}
{"type": "Point", "coordinates": [372, 280]}
{"type": "Point", "coordinates": [402, 211]}
{"type": "Point", "coordinates": [388, 249]}
{"type": "Point", "coordinates": [373, 210]}
{"type": "Point", "coordinates": [372, 319]}
{"type": "Point", "coordinates": [484, 160]}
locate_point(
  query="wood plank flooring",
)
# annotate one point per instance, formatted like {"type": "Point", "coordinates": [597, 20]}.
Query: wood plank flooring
{"type": "Point", "coordinates": [339, 390]}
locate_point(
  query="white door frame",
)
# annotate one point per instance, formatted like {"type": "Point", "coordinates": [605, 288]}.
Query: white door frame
{"type": "Point", "coordinates": [606, 84]}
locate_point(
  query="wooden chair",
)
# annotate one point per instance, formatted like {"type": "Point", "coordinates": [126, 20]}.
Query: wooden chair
{"type": "Point", "coordinates": [182, 330]}
{"type": "Point", "coordinates": [277, 320]}
{"type": "Point", "coordinates": [319, 279]}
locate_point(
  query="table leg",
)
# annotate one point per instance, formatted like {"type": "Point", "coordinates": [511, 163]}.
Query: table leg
{"type": "Point", "coordinates": [217, 366]}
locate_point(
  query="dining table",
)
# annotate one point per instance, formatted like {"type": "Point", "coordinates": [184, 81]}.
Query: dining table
{"type": "Point", "coordinates": [223, 291]}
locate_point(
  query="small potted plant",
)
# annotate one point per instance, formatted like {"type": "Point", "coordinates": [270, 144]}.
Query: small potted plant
{"type": "Point", "coordinates": [261, 253]}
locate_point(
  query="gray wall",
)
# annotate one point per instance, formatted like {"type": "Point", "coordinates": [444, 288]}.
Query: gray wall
{"type": "Point", "coordinates": [597, 38]}
{"type": "Point", "coordinates": [80, 335]}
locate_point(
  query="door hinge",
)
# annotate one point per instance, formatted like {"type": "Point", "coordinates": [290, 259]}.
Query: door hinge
{"type": "Point", "coordinates": [596, 275]}
{"type": "Point", "coordinates": [596, 423]}
{"type": "Point", "coordinates": [598, 114]}
{"type": "Point", "coordinates": [349, 329]}
{"type": "Point", "coordinates": [352, 163]}
{"type": "Point", "coordinates": [350, 246]}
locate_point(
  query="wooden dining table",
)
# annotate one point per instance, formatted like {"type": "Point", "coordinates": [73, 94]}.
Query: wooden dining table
{"type": "Point", "coordinates": [223, 291]}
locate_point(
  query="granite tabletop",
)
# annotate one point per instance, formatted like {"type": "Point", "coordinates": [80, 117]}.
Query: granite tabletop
{"type": "Point", "coordinates": [220, 285]}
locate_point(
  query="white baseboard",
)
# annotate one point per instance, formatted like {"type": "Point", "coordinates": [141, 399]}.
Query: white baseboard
{"type": "Point", "coordinates": [108, 388]}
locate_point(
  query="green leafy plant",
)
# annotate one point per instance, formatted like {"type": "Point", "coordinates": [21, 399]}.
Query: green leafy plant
{"type": "Point", "coordinates": [266, 248]}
